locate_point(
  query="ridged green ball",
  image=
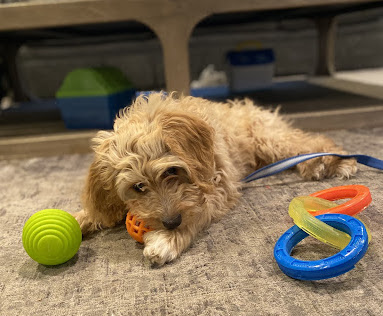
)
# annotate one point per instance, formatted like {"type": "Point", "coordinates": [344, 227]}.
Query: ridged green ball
{"type": "Point", "coordinates": [51, 236]}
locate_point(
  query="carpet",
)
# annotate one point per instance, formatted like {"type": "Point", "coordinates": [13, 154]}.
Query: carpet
{"type": "Point", "coordinates": [229, 269]}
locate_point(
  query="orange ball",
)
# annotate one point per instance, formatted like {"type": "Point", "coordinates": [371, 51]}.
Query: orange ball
{"type": "Point", "coordinates": [136, 227]}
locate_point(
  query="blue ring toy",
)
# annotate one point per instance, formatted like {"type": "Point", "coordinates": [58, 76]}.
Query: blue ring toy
{"type": "Point", "coordinates": [330, 267]}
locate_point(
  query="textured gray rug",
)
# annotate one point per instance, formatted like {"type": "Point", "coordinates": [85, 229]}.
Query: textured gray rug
{"type": "Point", "coordinates": [229, 270]}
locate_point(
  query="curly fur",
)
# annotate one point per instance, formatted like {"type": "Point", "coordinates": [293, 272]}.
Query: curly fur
{"type": "Point", "coordinates": [207, 146]}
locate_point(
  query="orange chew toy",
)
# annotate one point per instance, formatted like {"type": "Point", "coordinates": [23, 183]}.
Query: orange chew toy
{"type": "Point", "coordinates": [359, 194]}
{"type": "Point", "coordinates": [136, 227]}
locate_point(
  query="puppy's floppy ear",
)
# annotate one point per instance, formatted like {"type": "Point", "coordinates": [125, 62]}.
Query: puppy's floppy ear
{"type": "Point", "coordinates": [100, 199]}
{"type": "Point", "coordinates": [191, 139]}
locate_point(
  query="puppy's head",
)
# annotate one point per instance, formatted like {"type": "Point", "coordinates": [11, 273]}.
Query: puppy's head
{"type": "Point", "coordinates": [161, 161]}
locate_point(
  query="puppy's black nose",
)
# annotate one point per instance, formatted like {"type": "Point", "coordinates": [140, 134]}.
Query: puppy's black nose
{"type": "Point", "coordinates": [172, 222]}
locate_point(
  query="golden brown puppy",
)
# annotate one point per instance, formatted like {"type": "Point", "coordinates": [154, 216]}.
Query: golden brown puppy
{"type": "Point", "coordinates": [177, 163]}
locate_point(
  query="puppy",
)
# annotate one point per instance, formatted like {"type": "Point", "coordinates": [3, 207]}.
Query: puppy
{"type": "Point", "coordinates": [177, 165]}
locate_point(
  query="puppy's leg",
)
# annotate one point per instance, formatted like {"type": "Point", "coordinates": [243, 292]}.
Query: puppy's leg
{"type": "Point", "coordinates": [291, 142]}
{"type": "Point", "coordinates": [86, 223]}
{"type": "Point", "coordinates": [162, 246]}
{"type": "Point", "coordinates": [102, 206]}
{"type": "Point", "coordinates": [326, 166]}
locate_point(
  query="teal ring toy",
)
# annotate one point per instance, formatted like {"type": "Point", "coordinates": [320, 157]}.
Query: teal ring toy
{"type": "Point", "coordinates": [330, 267]}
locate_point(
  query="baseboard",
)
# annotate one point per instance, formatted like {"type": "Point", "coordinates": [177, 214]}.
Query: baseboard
{"type": "Point", "coordinates": [366, 117]}
{"type": "Point", "coordinates": [48, 145]}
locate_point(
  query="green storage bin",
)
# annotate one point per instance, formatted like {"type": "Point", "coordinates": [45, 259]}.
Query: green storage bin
{"type": "Point", "coordinates": [91, 97]}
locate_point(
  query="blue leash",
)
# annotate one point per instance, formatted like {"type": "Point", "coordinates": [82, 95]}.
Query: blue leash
{"type": "Point", "coordinates": [284, 164]}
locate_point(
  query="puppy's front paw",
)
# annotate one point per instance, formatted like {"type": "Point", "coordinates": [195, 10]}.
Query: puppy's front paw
{"type": "Point", "coordinates": [160, 247]}
{"type": "Point", "coordinates": [85, 222]}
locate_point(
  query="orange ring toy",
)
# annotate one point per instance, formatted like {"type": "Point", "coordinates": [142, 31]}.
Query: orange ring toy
{"type": "Point", "coordinates": [359, 194]}
{"type": "Point", "coordinates": [136, 228]}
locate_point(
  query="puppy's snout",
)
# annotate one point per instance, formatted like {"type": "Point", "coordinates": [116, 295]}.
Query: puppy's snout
{"type": "Point", "coordinates": [172, 223]}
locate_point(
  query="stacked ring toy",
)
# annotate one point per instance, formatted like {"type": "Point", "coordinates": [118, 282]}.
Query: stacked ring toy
{"type": "Point", "coordinates": [339, 230]}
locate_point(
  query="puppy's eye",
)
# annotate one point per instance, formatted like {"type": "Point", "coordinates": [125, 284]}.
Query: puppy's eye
{"type": "Point", "coordinates": [139, 187]}
{"type": "Point", "coordinates": [170, 172]}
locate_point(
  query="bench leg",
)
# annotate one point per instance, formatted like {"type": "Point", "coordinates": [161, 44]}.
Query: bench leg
{"type": "Point", "coordinates": [174, 35]}
{"type": "Point", "coordinates": [9, 56]}
{"type": "Point", "coordinates": [326, 27]}
{"type": "Point", "coordinates": [175, 47]}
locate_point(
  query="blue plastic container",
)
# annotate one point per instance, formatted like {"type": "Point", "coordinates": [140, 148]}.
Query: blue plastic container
{"type": "Point", "coordinates": [222, 91]}
{"type": "Point", "coordinates": [93, 112]}
{"type": "Point", "coordinates": [250, 70]}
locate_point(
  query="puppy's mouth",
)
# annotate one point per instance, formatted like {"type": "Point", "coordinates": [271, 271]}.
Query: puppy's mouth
{"type": "Point", "coordinates": [172, 222]}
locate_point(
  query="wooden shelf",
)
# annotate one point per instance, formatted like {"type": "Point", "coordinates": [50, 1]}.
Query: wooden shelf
{"type": "Point", "coordinates": [172, 21]}
{"type": "Point", "coordinates": [64, 13]}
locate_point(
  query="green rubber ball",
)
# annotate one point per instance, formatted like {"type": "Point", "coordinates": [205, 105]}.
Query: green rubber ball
{"type": "Point", "coordinates": [51, 236]}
